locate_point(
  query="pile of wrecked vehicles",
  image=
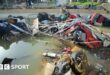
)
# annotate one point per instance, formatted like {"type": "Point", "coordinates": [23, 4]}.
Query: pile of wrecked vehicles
{"type": "Point", "coordinates": [80, 29]}
{"type": "Point", "coordinates": [83, 31]}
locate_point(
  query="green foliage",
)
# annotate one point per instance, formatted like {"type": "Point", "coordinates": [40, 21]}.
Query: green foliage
{"type": "Point", "coordinates": [75, 3]}
{"type": "Point", "coordinates": [85, 3]}
{"type": "Point", "coordinates": [82, 0]}
{"type": "Point", "coordinates": [91, 3]}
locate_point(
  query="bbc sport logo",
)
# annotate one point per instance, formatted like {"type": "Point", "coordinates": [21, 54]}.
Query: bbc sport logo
{"type": "Point", "coordinates": [12, 67]}
{"type": "Point", "coordinates": [6, 67]}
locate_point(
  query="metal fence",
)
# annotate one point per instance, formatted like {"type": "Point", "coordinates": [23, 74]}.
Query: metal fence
{"type": "Point", "coordinates": [23, 3]}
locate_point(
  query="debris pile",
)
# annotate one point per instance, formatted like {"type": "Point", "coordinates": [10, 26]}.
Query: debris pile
{"type": "Point", "coordinates": [80, 29]}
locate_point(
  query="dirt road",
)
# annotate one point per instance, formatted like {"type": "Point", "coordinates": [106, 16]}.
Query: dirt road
{"type": "Point", "coordinates": [49, 10]}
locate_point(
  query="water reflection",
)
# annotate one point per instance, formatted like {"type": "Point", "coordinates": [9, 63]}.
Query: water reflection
{"type": "Point", "coordinates": [27, 51]}
{"type": "Point", "coordinates": [16, 49]}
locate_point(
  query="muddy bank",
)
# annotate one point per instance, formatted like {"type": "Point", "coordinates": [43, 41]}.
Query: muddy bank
{"type": "Point", "coordinates": [49, 11]}
{"type": "Point", "coordinates": [92, 58]}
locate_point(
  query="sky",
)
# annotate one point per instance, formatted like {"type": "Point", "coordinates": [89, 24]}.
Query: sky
{"type": "Point", "coordinates": [108, 0]}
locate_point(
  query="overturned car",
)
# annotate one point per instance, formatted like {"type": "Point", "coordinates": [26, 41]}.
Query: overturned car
{"type": "Point", "coordinates": [86, 34]}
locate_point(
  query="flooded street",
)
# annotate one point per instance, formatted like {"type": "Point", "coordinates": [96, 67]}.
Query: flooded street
{"type": "Point", "coordinates": [29, 51]}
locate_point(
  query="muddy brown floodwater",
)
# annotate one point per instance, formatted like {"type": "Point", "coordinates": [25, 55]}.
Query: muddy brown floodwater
{"type": "Point", "coordinates": [29, 51]}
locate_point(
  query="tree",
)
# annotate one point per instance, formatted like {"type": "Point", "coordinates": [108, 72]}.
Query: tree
{"type": "Point", "coordinates": [82, 0]}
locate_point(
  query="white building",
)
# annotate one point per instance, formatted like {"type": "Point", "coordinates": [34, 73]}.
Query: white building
{"type": "Point", "coordinates": [61, 2]}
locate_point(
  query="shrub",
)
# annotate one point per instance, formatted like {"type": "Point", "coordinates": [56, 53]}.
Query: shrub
{"type": "Point", "coordinates": [85, 3]}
